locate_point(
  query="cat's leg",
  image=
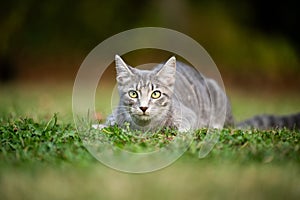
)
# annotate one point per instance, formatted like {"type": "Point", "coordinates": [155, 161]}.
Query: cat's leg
{"type": "Point", "coordinates": [185, 119]}
{"type": "Point", "coordinates": [220, 113]}
{"type": "Point", "coordinates": [99, 126]}
{"type": "Point", "coordinates": [110, 121]}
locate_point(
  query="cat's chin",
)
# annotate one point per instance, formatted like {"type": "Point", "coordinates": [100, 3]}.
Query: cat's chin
{"type": "Point", "coordinates": [142, 120]}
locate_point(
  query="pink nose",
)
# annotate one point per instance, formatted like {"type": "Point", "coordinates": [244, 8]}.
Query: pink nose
{"type": "Point", "coordinates": [144, 109]}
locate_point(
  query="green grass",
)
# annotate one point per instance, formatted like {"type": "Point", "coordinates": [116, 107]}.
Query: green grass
{"type": "Point", "coordinates": [25, 140]}
{"type": "Point", "coordinates": [43, 157]}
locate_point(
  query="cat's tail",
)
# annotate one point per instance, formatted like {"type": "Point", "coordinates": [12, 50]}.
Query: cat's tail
{"type": "Point", "coordinates": [264, 122]}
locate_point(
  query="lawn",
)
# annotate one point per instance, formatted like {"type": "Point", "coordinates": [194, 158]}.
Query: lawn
{"type": "Point", "coordinates": [42, 156]}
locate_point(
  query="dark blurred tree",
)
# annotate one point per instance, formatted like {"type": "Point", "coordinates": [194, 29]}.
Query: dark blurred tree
{"type": "Point", "coordinates": [65, 25]}
{"type": "Point", "coordinates": [12, 22]}
{"type": "Point", "coordinates": [39, 28]}
{"type": "Point", "coordinates": [277, 17]}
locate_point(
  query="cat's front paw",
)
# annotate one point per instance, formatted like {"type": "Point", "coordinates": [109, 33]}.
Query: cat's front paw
{"type": "Point", "coordinates": [184, 129]}
{"type": "Point", "coordinates": [99, 126]}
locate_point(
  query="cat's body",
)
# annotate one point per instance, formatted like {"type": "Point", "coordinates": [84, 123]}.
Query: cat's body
{"type": "Point", "coordinates": [176, 95]}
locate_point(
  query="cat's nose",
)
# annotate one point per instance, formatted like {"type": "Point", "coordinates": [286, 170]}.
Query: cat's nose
{"type": "Point", "coordinates": [144, 109]}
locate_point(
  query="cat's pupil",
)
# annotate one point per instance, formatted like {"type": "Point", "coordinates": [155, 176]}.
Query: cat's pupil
{"type": "Point", "coordinates": [133, 94]}
{"type": "Point", "coordinates": [156, 94]}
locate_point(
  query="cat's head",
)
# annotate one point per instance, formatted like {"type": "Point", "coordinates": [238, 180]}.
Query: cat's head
{"type": "Point", "coordinates": [146, 94]}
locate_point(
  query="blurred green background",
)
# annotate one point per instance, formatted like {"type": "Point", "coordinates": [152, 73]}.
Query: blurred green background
{"type": "Point", "coordinates": [252, 42]}
{"type": "Point", "coordinates": [255, 44]}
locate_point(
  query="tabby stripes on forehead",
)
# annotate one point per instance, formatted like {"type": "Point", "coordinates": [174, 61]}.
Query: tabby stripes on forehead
{"type": "Point", "coordinates": [144, 84]}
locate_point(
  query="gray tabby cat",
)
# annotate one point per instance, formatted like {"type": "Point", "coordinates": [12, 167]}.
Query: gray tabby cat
{"type": "Point", "coordinates": [176, 95]}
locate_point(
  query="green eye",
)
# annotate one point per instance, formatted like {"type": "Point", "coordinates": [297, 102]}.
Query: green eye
{"type": "Point", "coordinates": [133, 94]}
{"type": "Point", "coordinates": [156, 94]}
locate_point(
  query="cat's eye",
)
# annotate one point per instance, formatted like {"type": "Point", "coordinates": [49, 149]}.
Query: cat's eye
{"type": "Point", "coordinates": [156, 94]}
{"type": "Point", "coordinates": [133, 94]}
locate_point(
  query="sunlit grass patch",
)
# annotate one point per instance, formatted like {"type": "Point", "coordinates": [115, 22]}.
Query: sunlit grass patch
{"type": "Point", "coordinates": [25, 140]}
{"type": "Point", "coordinates": [42, 154]}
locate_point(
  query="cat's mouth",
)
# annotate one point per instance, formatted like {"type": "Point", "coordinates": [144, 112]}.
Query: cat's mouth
{"type": "Point", "coordinates": [141, 119]}
{"type": "Point", "coordinates": [144, 117]}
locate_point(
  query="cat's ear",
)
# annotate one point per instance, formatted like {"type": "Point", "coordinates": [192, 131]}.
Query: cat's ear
{"type": "Point", "coordinates": [123, 71]}
{"type": "Point", "coordinates": [167, 73]}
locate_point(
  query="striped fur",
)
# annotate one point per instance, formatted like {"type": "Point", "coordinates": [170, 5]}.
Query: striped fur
{"type": "Point", "coordinates": [187, 100]}
{"type": "Point", "coordinates": [271, 121]}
